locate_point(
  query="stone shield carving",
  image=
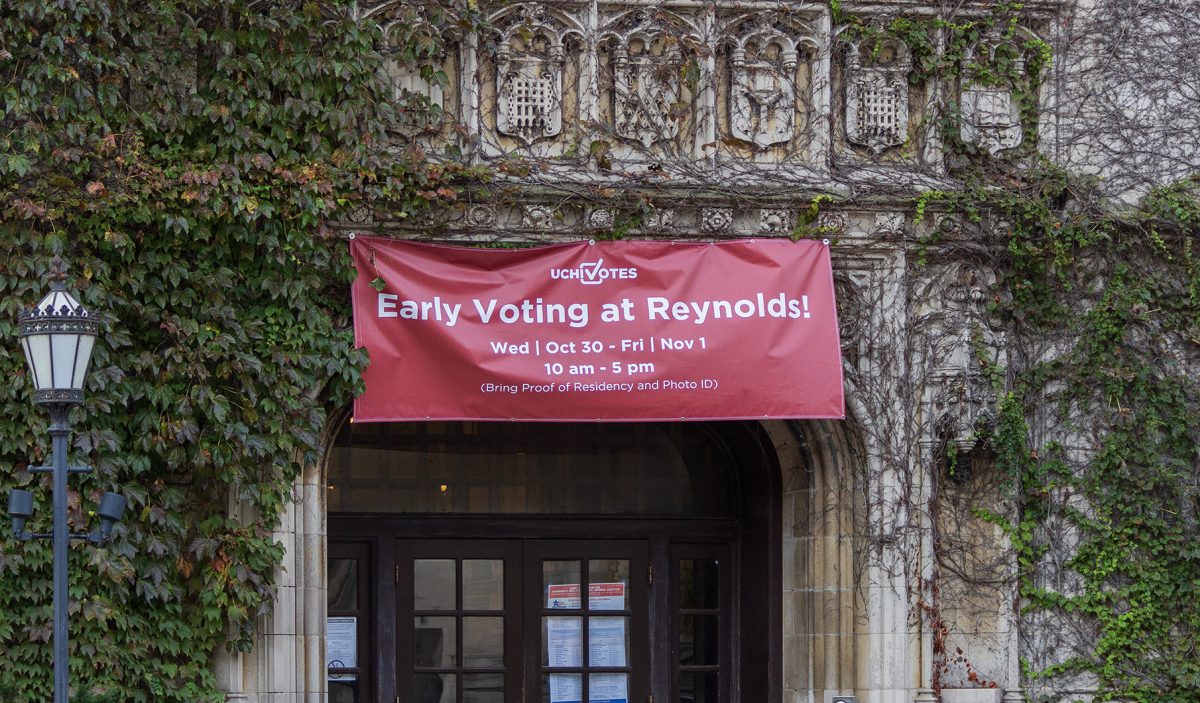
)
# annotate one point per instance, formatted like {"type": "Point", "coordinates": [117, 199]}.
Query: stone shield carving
{"type": "Point", "coordinates": [646, 92]}
{"type": "Point", "coordinates": [762, 96]}
{"type": "Point", "coordinates": [989, 116]}
{"type": "Point", "coordinates": [877, 96]}
{"type": "Point", "coordinates": [529, 74]}
{"type": "Point", "coordinates": [647, 65]}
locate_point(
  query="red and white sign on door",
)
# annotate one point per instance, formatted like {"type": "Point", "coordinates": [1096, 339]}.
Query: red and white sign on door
{"type": "Point", "coordinates": [603, 331]}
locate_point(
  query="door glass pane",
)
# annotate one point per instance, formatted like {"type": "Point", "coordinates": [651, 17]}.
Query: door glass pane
{"type": "Point", "coordinates": [698, 687]}
{"type": "Point", "coordinates": [483, 688]}
{"type": "Point", "coordinates": [562, 688]}
{"type": "Point", "coordinates": [698, 584]}
{"type": "Point", "coordinates": [483, 584]}
{"type": "Point", "coordinates": [343, 585]}
{"type": "Point", "coordinates": [608, 641]}
{"type": "Point", "coordinates": [483, 642]}
{"type": "Point", "coordinates": [608, 581]}
{"type": "Point", "coordinates": [434, 642]}
{"type": "Point", "coordinates": [560, 584]}
{"type": "Point", "coordinates": [561, 641]}
{"type": "Point", "coordinates": [344, 690]}
{"type": "Point", "coordinates": [698, 640]}
{"type": "Point", "coordinates": [608, 688]}
{"type": "Point", "coordinates": [433, 584]}
{"type": "Point", "coordinates": [435, 688]}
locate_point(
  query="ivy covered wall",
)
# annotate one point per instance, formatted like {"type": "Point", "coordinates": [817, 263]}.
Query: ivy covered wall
{"type": "Point", "coordinates": [185, 157]}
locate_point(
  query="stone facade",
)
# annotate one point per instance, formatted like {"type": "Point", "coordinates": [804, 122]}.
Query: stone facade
{"type": "Point", "coordinates": [689, 120]}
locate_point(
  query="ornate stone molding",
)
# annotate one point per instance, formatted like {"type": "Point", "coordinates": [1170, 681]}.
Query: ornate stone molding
{"type": "Point", "coordinates": [657, 220]}
{"type": "Point", "coordinates": [601, 218]}
{"type": "Point", "coordinates": [774, 221]}
{"type": "Point", "coordinates": [716, 220]}
{"type": "Point", "coordinates": [832, 223]}
{"type": "Point", "coordinates": [889, 224]}
{"type": "Point", "coordinates": [481, 215]}
{"type": "Point", "coordinates": [537, 216]}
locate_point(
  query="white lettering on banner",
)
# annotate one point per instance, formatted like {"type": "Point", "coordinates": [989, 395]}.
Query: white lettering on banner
{"type": "Point", "coordinates": [387, 304]}
{"type": "Point", "coordinates": [593, 273]}
{"type": "Point", "coordinates": [531, 312]}
{"type": "Point", "coordinates": [779, 306]}
{"type": "Point", "coordinates": [577, 315]}
{"type": "Point", "coordinates": [390, 306]}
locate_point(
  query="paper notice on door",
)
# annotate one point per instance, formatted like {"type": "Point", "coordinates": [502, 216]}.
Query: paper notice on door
{"type": "Point", "coordinates": [566, 688]}
{"type": "Point", "coordinates": [606, 642]}
{"type": "Point", "coordinates": [608, 688]}
{"type": "Point", "coordinates": [606, 596]}
{"type": "Point", "coordinates": [341, 643]}
{"type": "Point", "coordinates": [563, 642]}
{"type": "Point", "coordinates": [601, 596]}
{"type": "Point", "coordinates": [562, 596]}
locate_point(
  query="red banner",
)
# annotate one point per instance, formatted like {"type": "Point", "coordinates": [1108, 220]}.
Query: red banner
{"type": "Point", "coordinates": [603, 331]}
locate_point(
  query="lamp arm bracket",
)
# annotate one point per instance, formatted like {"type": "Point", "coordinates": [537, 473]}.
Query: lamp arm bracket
{"type": "Point", "coordinates": [92, 537]}
{"type": "Point", "coordinates": [50, 469]}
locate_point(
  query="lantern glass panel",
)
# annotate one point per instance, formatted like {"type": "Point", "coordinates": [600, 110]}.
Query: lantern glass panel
{"type": "Point", "coordinates": [37, 353]}
{"type": "Point", "coordinates": [63, 347]}
{"type": "Point", "coordinates": [82, 358]}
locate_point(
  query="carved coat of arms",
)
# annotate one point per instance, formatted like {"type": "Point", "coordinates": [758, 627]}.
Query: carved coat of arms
{"type": "Point", "coordinates": [646, 94]}
{"type": "Point", "coordinates": [762, 100]}
{"type": "Point", "coordinates": [529, 74]}
{"type": "Point", "coordinates": [877, 97]}
{"type": "Point", "coordinates": [989, 117]}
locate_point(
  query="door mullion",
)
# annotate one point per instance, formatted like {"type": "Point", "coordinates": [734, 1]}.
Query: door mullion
{"type": "Point", "coordinates": [660, 646]}
{"type": "Point", "coordinates": [402, 605]}
{"type": "Point", "coordinates": [385, 672]}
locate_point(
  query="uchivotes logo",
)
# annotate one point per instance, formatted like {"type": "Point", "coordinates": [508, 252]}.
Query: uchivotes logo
{"type": "Point", "coordinates": [594, 273]}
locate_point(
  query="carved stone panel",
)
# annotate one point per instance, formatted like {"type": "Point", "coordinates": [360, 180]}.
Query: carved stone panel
{"type": "Point", "coordinates": [646, 65]}
{"type": "Point", "coordinates": [762, 96]}
{"type": "Point", "coordinates": [715, 220]}
{"type": "Point", "coordinates": [529, 74]}
{"type": "Point", "coordinates": [774, 221]}
{"type": "Point", "coordinates": [877, 95]}
{"type": "Point", "coordinates": [989, 116]}
{"type": "Point", "coordinates": [537, 216]}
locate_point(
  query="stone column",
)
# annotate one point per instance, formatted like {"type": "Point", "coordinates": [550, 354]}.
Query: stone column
{"type": "Point", "coordinates": [287, 664]}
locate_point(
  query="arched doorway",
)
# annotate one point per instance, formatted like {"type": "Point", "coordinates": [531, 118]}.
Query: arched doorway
{"type": "Point", "coordinates": [496, 562]}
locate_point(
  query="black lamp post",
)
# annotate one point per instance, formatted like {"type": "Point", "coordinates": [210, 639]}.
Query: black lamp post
{"type": "Point", "coordinates": [57, 336]}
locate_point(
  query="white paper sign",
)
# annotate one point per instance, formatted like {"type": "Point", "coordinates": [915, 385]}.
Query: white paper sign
{"type": "Point", "coordinates": [606, 642]}
{"type": "Point", "coordinates": [608, 688]}
{"type": "Point", "coordinates": [563, 642]}
{"type": "Point", "coordinates": [606, 596]}
{"type": "Point", "coordinates": [341, 642]}
{"type": "Point", "coordinates": [565, 688]}
{"type": "Point", "coordinates": [562, 595]}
